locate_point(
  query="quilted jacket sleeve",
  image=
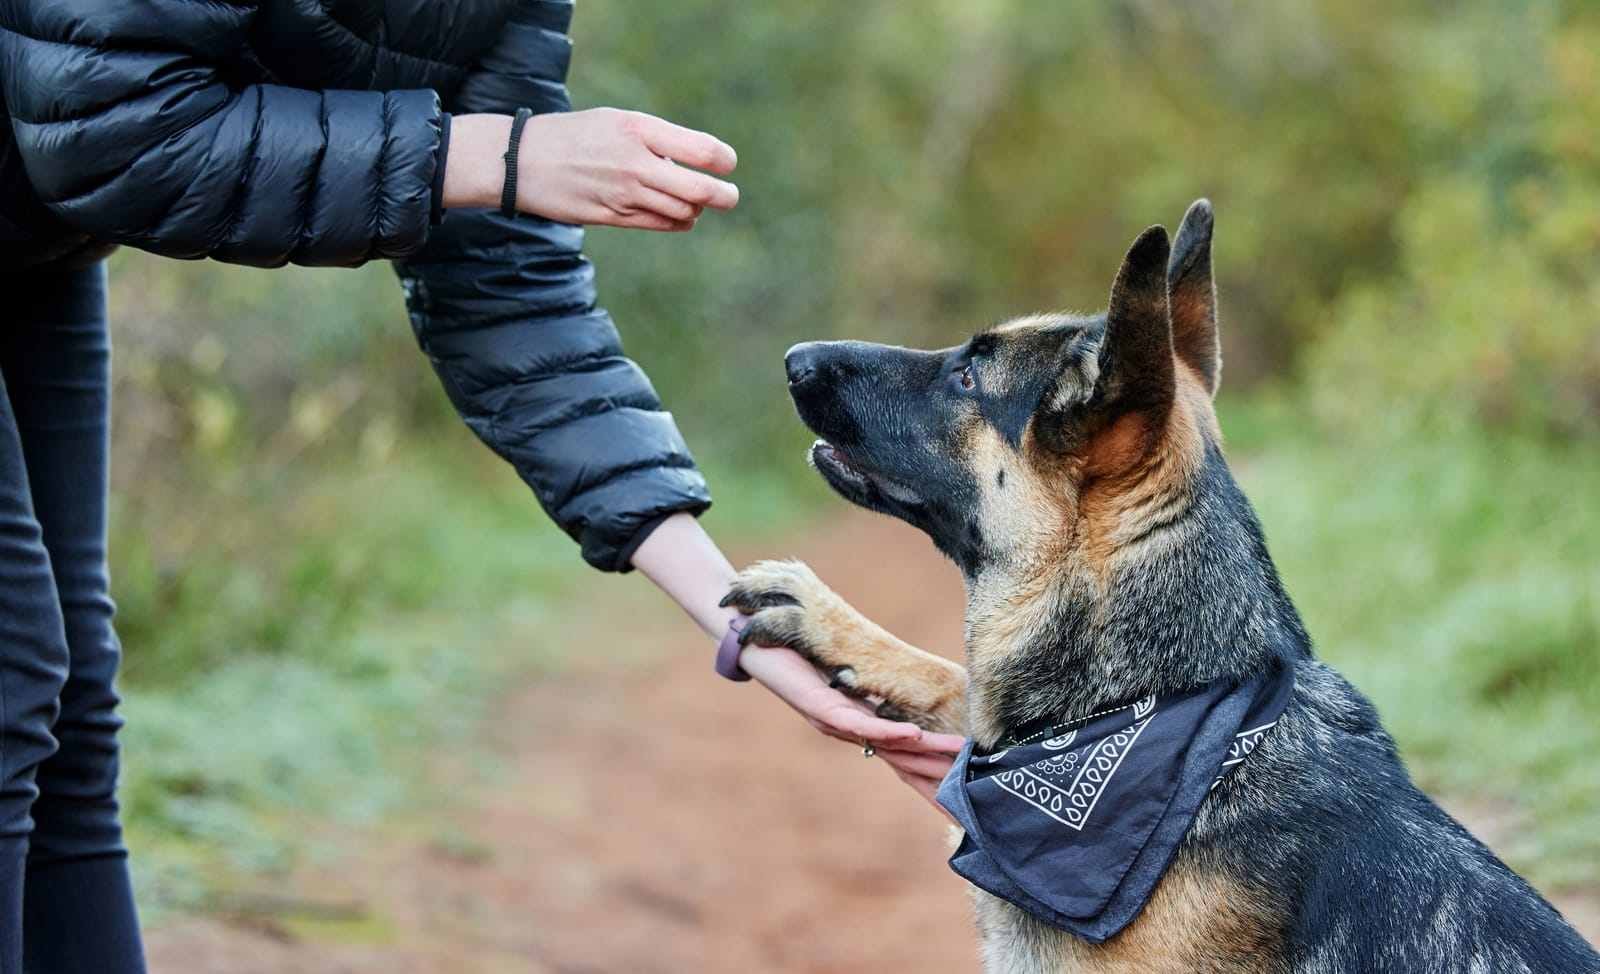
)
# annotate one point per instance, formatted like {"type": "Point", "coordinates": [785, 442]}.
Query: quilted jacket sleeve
{"type": "Point", "coordinates": [505, 309]}
{"type": "Point", "coordinates": [128, 132]}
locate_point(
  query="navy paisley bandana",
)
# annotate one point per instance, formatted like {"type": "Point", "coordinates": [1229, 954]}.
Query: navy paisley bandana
{"type": "Point", "coordinates": [1076, 823]}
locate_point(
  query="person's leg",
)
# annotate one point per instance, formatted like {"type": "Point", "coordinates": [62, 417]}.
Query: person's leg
{"type": "Point", "coordinates": [78, 903]}
{"type": "Point", "coordinates": [33, 668]}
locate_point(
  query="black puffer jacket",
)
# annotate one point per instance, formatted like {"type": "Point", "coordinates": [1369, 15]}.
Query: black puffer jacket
{"type": "Point", "coordinates": [306, 131]}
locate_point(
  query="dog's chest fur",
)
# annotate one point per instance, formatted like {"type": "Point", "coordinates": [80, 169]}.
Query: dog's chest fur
{"type": "Point", "coordinates": [1194, 922]}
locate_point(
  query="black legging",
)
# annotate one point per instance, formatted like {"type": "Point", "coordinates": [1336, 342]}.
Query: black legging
{"type": "Point", "coordinates": [65, 900]}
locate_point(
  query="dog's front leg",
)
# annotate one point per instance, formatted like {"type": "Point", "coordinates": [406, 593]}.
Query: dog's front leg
{"type": "Point", "coordinates": [789, 606]}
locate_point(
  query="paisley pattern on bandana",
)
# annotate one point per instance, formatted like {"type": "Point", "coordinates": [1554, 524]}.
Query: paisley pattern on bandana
{"type": "Point", "coordinates": [1065, 788]}
{"type": "Point", "coordinates": [1075, 823]}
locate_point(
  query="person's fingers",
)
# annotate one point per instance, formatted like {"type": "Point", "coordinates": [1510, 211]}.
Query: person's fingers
{"type": "Point", "coordinates": [839, 735]}
{"type": "Point", "coordinates": [855, 725]}
{"type": "Point", "coordinates": [833, 726]}
{"type": "Point", "coordinates": [932, 743]}
{"type": "Point", "coordinates": [802, 687]}
{"type": "Point", "coordinates": [829, 730]}
{"type": "Point", "coordinates": [865, 725]}
{"type": "Point", "coordinates": [665, 204]}
{"type": "Point", "coordinates": [843, 717]}
{"type": "Point", "coordinates": [926, 765]}
{"type": "Point", "coordinates": [690, 186]}
{"type": "Point", "coordinates": [647, 220]}
{"type": "Point", "coordinates": [687, 146]}
{"type": "Point", "coordinates": [850, 719]}
{"type": "Point", "coordinates": [655, 221]}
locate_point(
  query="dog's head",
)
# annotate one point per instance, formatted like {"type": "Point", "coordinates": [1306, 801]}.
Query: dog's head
{"type": "Point", "coordinates": [1045, 436]}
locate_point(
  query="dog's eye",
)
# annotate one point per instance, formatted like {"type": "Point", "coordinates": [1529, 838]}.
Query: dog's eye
{"type": "Point", "coordinates": [967, 381]}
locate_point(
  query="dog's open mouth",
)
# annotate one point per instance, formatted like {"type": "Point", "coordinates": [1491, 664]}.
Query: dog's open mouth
{"type": "Point", "coordinates": [855, 481]}
{"type": "Point", "coordinates": [831, 462]}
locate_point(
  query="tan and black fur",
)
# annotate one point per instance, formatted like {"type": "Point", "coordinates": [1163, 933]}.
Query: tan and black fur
{"type": "Point", "coordinates": [1072, 467]}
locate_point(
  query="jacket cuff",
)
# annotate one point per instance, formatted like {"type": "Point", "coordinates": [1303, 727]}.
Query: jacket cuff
{"type": "Point", "coordinates": [621, 561]}
{"type": "Point", "coordinates": [440, 157]}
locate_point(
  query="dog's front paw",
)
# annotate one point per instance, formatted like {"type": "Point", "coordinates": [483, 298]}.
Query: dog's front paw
{"type": "Point", "coordinates": [789, 606]}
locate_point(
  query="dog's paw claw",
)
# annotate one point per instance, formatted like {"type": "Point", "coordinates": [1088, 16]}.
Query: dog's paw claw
{"type": "Point", "coordinates": [781, 625]}
{"type": "Point", "coordinates": [750, 601]}
{"type": "Point", "coordinates": [768, 584]}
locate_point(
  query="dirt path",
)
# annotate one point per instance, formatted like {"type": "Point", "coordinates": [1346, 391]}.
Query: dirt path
{"type": "Point", "coordinates": [653, 819]}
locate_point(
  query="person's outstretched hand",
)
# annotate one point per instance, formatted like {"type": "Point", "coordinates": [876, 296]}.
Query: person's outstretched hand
{"type": "Point", "coordinates": [683, 561]}
{"type": "Point", "coordinates": [603, 166]}
{"type": "Point", "coordinates": [921, 758]}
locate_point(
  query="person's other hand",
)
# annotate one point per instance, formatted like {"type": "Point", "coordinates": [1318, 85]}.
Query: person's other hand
{"type": "Point", "coordinates": [924, 770]}
{"type": "Point", "coordinates": [602, 167]}
{"type": "Point", "coordinates": [920, 758]}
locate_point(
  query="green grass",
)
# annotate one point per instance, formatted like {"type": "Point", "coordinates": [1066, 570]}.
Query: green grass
{"type": "Point", "coordinates": [1455, 580]}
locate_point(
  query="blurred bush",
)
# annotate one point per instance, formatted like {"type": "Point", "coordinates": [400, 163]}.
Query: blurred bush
{"type": "Point", "coordinates": [1408, 212]}
{"type": "Point", "coordinates": [1408, 201]}
{"type": "Point", "coordinates": [1491, 312]}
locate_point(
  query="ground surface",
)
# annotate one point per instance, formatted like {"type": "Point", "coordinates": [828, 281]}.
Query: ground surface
{"type": "Point", "coordinates": [649, 818]}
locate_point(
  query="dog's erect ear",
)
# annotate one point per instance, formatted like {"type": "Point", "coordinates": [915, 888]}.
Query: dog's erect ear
{"type": "Point", "coordinates": [1193, 296]}
{"type": "Point", "coordinates": [1136, 366]}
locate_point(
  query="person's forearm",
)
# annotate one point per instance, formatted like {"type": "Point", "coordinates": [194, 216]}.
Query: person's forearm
{"type": "Point", "coordinates": [683, 561]}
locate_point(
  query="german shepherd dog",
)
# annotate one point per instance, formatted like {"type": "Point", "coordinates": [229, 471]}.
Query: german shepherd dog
{"type": "Point", "coordinates": [1072, 468]}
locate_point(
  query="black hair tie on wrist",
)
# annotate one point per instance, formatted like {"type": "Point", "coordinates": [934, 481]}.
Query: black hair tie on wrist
{"type": "Point", "coordinates": [508, 192]}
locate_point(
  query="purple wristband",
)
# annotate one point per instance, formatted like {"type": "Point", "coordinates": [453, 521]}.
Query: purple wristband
{"type": "Point", "coordinates": [728, 651]}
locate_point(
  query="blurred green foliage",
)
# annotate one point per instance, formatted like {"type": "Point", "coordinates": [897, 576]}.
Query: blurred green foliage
{"type": "Point", "coordinates": [1408, 209]}
{"type": "Point", "coordinates": [1454, 580]}
{"type": "Point", "coordinates": [1408, 254]}
{"type": "Point", "coordinates": [1408, 197]}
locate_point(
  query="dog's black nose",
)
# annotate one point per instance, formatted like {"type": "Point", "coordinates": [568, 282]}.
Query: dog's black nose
{"type": "Point", "coordinates": [802, 361]}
